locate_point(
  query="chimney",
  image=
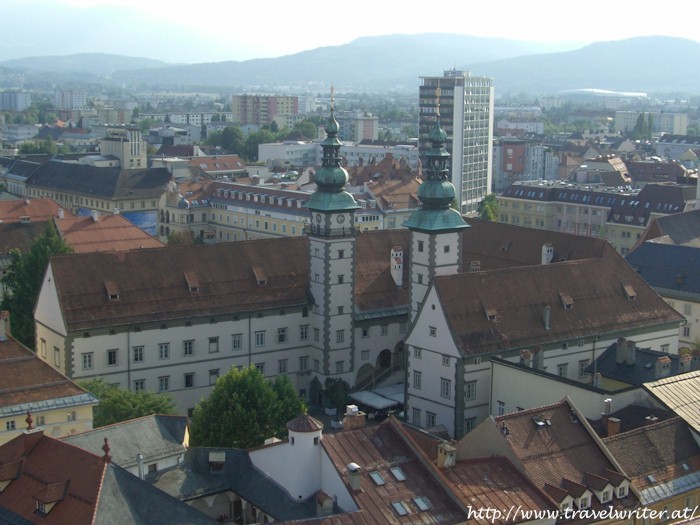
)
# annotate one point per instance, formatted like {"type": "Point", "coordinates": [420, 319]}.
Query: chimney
{"type": "Point", "coordinates": [354, 418]}
{"type": "Point", "coordinates": [139, 461]}
{"type": "Point", "coordinates": [526, 358]}
{"type": "Point", "coordinates": [662, 367]}
{"type": "Point", "coordinates": [354, 476]}
{"type": "Point", "coordinates": [547, 311]}
{"type": "Point", "coordinates": [397, 265]}
{"type": "Point", "coordinates": [60, 213]}
{"type": "Point", "coordinates": [95, 216]}
{"type": "Point", "coordinates": [537, 358]}
{"type": "Point", "coordinates": [547, 253]}
{"type": "Point", "coordinates": [621, 351]}
{"type": "Point", "coordinates": [115, 211]}
{"type": "Point", "coordinates": [631, 352]}
{"type": "Point", "coordinates": [446, 455]}
{"type": "Point", "coordinates": [597, 377]}
{"type": "Point", "coordinates": [614, 425]}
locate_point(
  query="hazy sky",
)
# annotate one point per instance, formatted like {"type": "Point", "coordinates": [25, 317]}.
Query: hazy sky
{"type": "Point", "coordinates": [214, 30]}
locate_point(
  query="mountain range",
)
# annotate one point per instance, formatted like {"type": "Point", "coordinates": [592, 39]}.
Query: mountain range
{"type": "Point", "coordinates": [396, 63]}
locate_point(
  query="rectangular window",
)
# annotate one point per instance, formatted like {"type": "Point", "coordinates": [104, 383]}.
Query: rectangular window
{"type": "Point", "coordinates": [213, 345]}
{"type": "Point", "coordinates": [189, 380]}
{"type": "Point", "coordinates": [260, 367]}
{"type": "Point", "coordinates": [317, 335]}
{"type": "Point", "coordinates": [420, 246]}
{"type": "Point", "coordinates": [341, 310]}
{"type": "Point", "coordinates": [43, 348]}
{"type": "Point", "coordinates": [260, 338]}
{"type": "Point", "coordinates": [87, 361]}
{"type": "Point", "coordinates": [417, 376]}
{"type": "Point", "coordinates": [432, 331]}
{"type": "Point", "coordinates": [282, 366]}
{"type": "Point", "coordinates": [237, 341]}
{"type": "Point", "coordinates": [364, 355]}
{"type": "Point", "coordinates": [304, 333]}
{"type": "Point", "coordinates": [111, 357]}
{"type": "Point", "coordinates": [403, 327]}
{"type": "Point", "coordinates": [365, 332]}
{"type": "Point", "coordinates": [340, 336]}
{"type": "Point", "coordinates": [418, 353]}
{"type": "Point", "coordinates": [317, 365]}
{"type": "Point", "coordinates": [188, 348]}
{"type": "Point", "coordinates": [470, 390]}
{"type": "Point", "coordinates": [139, 385]}
{"type": "Point", "coordinates": [304, 362]}
{"type": "Point", "coordinates": [563, 370]}
{"type": "Point", "coordinates": [341, 279]}
{"type": "Point", "coordinates": [416, 416]}
{"type": "Point", "coordinates": [430, 419]}
{"type": "Point", "coordinates": [164, 351]}
{"type": "Point", "coordinates": [137, 354]}
{"type": "Point", "coordinates": [56, 356]}
{"type": "Point", "coordinates": [10, 425]}
{"type": "Point", "coordinates": [501, 410]}
{"type": "Point", "coordinates": [445, 360]}
{"type": "Point", "coordinates": [213, 376]}
{"type": "Point", "coordinates": [469, 424]}
{"type": "Point", "coordinates": [71, 416]}
{"type": "Point", "coordinates": [281, 335]}
{"type": "Point", "coordinates": [339, 367]}
{"type": "Point", "coordinates": [582, 365]}
{"type": "Point", "coordinates": [445, 388]}
{"type": "Point", "coordinates": [164, 384]}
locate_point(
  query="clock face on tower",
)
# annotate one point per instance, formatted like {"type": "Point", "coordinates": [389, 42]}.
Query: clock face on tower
{"type": "Point", "coordinates": [340, 219]}
{"type": "Point", "coordinates": [318, 217]}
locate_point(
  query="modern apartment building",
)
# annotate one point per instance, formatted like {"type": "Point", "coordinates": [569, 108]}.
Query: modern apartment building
{"type": "Point", "coordinates": [15, 100]}
{"type": "Point", "coordinates": [261, 109]}
{"type": "Point", "coordinates": [465, 110]}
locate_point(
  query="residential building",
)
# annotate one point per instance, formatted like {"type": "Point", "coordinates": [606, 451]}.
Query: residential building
{"type": "Point", "coordinates": [14, 134]}
{"type": "Point", "coordinates": [138, 194]}
{"type": "Point", "coordinates": [662, 121]}
{"type": "Point", "coordinates": [667, 258]}
{"type": "Point", "coordinates": [30, 385]}
{"type": "Point", "coordinates": [15, 100]}
{"type": "Point", "coordinates": [260, 110]}
{"type": "Point", "coordinates": [674, 146]}
{"type": "Point", "coordinates": [662, 460]}
{"type": "Point", "coordinates": [70, 99]}
{"type": "Point", "coordinates": [48, 481]}
{"type": "Point", "coordinates": [556, 448]}
{"type": "Point", "coordinates": [465, 105]}
{"type": "Point", "coordinates": [14, 173]}
{"type": "Point", "coordinates": [223, 167]}
{"type": "Point", "coordinates": [127, 145]}
{"type": "Point", "coordinates": [619, 215]}
{"type": "Point", "coordinates": [358, 126]}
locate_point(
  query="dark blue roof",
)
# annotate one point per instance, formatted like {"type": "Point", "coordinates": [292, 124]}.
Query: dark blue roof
{"type": "Point", "coordinates": [668, 266]}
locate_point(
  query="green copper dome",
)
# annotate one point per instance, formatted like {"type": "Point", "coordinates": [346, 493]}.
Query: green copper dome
{"type": "Point", "coordinates": [331, 177]}
{"type": "Point", "coordinates": [436, 193]}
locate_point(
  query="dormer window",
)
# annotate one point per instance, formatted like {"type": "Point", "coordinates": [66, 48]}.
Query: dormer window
{"type": "Point", "coordinates": [112, 290]}
{"type": "Point", "coordinates": [584, 502]}
{"type": "Point", "coordinates": [622, 491]}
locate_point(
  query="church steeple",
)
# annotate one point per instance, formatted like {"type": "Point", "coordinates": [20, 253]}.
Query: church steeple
{"type": "Point", "coordinates": [331, 177]}
{"type": "Point", "coordinates": [436, 240]}
{"type": "Point", "coordinates": [436, 193]}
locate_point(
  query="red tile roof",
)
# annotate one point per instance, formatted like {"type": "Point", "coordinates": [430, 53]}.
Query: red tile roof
{"type": "Point", "coordinates": [38, 210]}
{"type": "Point", "coordinates": [108, 233]}
{"type": "Point", "coordinates": [52, 471]}
{"type": "Point", "coordinates": [28, 379]}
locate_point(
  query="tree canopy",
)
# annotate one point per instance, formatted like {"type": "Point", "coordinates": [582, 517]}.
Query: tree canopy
{"type": "Point", "coordinates": [117, 404]}
{"type": "Point", "coordinates": [244, 409]}
{"type": "Point", "coordinates": [488, 208]}
{"type": "Point", "coordinates": [23, 281]}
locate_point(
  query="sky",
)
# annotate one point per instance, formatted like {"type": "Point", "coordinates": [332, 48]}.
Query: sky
{"type": "Point", "coordinates": [215, 30]}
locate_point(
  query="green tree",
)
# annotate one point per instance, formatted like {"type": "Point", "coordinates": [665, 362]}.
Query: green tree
{"type": "Point", "coordinates": [46, 146]}
{"type": "Point", "coordinates": [232, 139]}
{"type": "Point", "coordinates": [118, 404]}
{"type": "Point", "coordinates": [488, 208]}
{"type": "Point", "coordinates": [308, 129]}
{"type": "Point", "coordinates": [244, 409]}
{"type": "Point", "coordinates": [250, 151]}
{"type": "Point", "coordinates": [23, 281]}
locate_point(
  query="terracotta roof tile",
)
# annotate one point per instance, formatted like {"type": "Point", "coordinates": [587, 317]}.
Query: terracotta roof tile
{"type": "Point", "coordinates": [109, 233]}
{"type": "Point", "coordinates": [38, 210]}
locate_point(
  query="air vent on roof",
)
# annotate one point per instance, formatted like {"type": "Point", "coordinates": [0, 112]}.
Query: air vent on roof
{"type": "Point", "coordinates": [192, 281]}
{"type": "Point", "coordinates": [112, 290]}
{"type": "Point", "coordinates": [566, 301]}
{"type": "Point", "coordinates": [539, 422]}
{"type": "Point", "coordinates": [629, 292]}
{"type": "Point", "coordinates": [260, 275]}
